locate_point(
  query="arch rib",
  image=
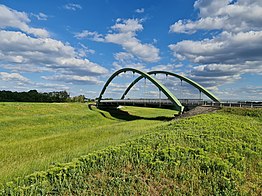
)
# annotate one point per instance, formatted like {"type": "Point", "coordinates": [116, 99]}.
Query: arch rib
{"type": "Point", "coordinates": [177, 105]}
{"type": "Point", "coordinates": [196, 85]}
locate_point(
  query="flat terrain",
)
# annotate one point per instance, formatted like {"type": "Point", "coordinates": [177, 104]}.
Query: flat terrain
{"type": "Point", "coordinates": [34, 136]}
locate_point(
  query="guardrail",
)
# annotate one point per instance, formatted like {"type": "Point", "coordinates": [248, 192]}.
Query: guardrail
{"type": "Point", "coordinates": [235, 104]}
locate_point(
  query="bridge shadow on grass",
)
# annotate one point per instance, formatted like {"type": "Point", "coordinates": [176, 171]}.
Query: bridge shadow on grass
{"type": "Point", "coordinates": [124, 115]}
{"type": "Point", "coordinates": [90, 105]}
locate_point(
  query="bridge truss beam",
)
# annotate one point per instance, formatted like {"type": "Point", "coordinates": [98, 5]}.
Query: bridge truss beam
{"type": "Point", "coordinates": [196, 85]}
{"type": "Point", "coordinates": [177, 105]}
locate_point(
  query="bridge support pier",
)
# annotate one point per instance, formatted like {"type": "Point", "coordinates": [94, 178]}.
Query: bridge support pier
{"type": "Point", "coordinates": [159, 98]}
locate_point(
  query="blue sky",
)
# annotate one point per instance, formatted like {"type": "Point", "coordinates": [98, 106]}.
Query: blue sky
{"type": "Point", "coordinates": [76, 45]}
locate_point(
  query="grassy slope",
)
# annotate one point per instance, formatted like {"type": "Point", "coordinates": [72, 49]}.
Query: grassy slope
{"type": "Point", "coordinates": [211, 154]}
{"type": "Point", "coordinates": [33, 136]}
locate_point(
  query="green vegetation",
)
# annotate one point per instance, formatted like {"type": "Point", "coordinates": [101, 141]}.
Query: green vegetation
{"type": "Point", "coordinates": [33, 96]}
{"type": "Point", "coordinates": [210, 154]}
{"type": "Point", "coordinates": [35, 136]}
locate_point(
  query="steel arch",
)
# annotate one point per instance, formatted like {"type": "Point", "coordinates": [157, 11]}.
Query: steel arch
{"type": "Point", "coordinates": [177, 105]}
{"type": "Point", "coordinates": [196, 85]}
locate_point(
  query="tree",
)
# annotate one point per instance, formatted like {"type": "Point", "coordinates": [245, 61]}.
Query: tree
{"type": "Point", "coordinates": [34, 96]}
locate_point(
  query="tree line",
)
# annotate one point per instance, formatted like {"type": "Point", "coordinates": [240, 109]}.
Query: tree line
{"type": "Point", "coordinates": [34, 96]}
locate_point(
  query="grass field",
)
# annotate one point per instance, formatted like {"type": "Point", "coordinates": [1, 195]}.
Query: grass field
{"type": "Point", "coordinates": [210, 154]}
{"type": "Point", "coordinates": [34, 136]}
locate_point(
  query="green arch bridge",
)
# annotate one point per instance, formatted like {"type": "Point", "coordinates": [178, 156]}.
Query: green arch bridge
{"type": "Point", "coordinates": [172, 101]}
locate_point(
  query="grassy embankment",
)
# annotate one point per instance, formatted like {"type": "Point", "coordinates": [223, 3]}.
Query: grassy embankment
{"type": "Point", "coordinates": [210, 154]}
{"type": "Point", "coordinates": [34, 136]}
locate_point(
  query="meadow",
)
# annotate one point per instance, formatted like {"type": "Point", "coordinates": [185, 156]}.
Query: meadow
{"type": "Point", "coordinates": [34, 136]}
{"type": "Point", "coordinates": [210, 154]}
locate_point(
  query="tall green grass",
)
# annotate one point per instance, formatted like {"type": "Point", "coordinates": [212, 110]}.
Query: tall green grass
{"type": "Point", "coordinates": [211, 154]}
{"type": "Point", "coordinates": [34, 136]}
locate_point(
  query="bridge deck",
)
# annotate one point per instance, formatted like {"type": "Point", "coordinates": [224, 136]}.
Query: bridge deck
{"type": "Point", "coordinates": [166, 103]}
{"type": "Point", "coordinates": [162, 103]}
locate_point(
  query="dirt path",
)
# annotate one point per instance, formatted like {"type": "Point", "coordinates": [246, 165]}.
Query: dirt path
{"type": "Point", "coordinates": [198, 110]}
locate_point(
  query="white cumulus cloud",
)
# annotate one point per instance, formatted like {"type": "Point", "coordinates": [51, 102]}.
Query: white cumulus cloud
{"type": "Point", "coordinates": [19, 20]}
{"type": "Point", "coordinates": [93, 35]}
{"type": "Point", "coordinates": [13, 76]}
{"type": "Point", "coordinates": [235, 49]}
{"type": "Point", "coordinates": [239, 16]}
{"type": "Point", "coordinates": [125, 34]}
{"type": "Point", "coordinates": [74, 79]}
{"type": "Point", "coordinates": [26, 49]}
{"type": "Point", "coordinates": [18, 48]}
{"type": "Point", "coordinates": [228, 48]}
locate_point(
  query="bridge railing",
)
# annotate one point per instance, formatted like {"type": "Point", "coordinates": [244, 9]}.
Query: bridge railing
{"type": "Point", "coordinates": [151, 101]}
{"type": "Point", "coordinates": [187, 102]}
{"type": "Point", "coordinates": [245, 104]}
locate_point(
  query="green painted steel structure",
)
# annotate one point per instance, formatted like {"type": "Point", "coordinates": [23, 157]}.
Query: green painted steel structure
{"type": "Point", "coordinates": [177, 105]}
{"type": "Point", "coordinates": [196, 85]}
